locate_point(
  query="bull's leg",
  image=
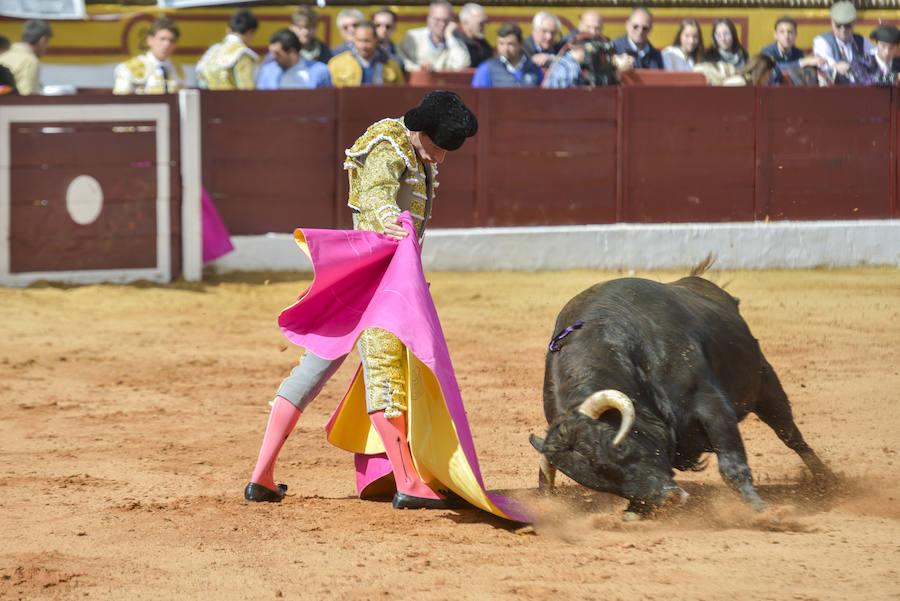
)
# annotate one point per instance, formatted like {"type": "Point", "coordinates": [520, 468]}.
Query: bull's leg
{"type": "Point", "coordinates": [721, 425]}
{"type": "Point", "coordinates": [774, 409]}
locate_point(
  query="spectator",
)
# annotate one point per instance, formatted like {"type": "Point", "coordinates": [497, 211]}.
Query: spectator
{"type": "Point", "coordinates": [385, 22]}
{"type": "Point", "coordinates": [635, 43]}
{"type": "Point", "coordinates": [590, 25]}
{"type": "Point", "coordinates": [587, 62]}
{"type": "Point", "coordinates": [687, 49]}
{"type": "Point", "coordinates": [347, 20]}
{"type": "Point", "coordinates": [23, 58]}
{"type": "Point", "coordinates": [840, 45]}
{"type": "Point", "coordinates": [541, 46]}
{"type": "Point", "coordinates": [510, 68]}
{"type": "Point", "coordinates": [288, 69]}
{"type": "Point", "coordinates": [434, 47]}
{"type": "Point", "coordinates": [7, 79]}
{"type": "Point", "coordinates": [229, 64]}
{"type": "Point", "coordinates": [364, 64]}
{"type": "Point", "coordinates": [472, 21]}
{"type": "Point", "coordinates": [788, 58]}
{"type": "Point", "coordinates": [303, 24]}
{"type": "Point", "coordinates": [152, 72]}
{"type": "Point", "coordinates": [725, 46]}
{"type": "Point", "coordinates": [881, 68]}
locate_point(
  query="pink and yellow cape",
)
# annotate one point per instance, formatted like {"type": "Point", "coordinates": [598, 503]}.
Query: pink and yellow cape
{"type": "Point", "coordinates": [367, 280]}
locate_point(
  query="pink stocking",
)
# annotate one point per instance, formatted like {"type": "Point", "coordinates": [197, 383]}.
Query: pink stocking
{"type": "Point", "coordinates": [282, 420]}
{"type": "Point", "coordinates": [392, 432]}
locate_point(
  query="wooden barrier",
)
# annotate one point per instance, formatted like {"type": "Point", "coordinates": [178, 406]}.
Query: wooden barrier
{"type": "Point", "coordinates": [272, 160]}
{"type": "Point", "coordinates": [89, 185]}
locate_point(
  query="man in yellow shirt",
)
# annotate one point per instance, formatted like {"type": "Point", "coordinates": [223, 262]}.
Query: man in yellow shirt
{"type": "Point", "coordinates": [152, 72]}
{"type": "Point", "coordinates": [365, 62]}
{"type": "Point", "coordinates": [229, 65]}
{"type": "Point", "coordinates": [23, 59]}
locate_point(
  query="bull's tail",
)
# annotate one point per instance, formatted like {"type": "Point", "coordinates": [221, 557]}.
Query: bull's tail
{"type": "Point", "coordinates": [700, 268]}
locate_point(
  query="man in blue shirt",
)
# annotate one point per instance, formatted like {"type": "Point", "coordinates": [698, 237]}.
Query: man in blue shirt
{"type": "Point", "coordinates": [635, 42]}
{"type": "Point", "coordinates": [510, 68]}
{"type": "Point", "coordinates": [789, 60]}
{"type": "Point", "coordinates": [288, 69]}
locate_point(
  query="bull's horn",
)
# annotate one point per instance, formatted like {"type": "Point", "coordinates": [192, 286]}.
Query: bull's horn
{"type": "Point", "coordinates": [600, 401]}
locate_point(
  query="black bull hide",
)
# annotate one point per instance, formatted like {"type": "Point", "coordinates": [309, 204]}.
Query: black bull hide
{"type": "Point", "coordinates": [686, 361]}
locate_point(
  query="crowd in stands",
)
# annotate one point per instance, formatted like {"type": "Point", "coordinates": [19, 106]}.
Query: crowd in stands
{"type": "Point", "coordinates": [368, 54]}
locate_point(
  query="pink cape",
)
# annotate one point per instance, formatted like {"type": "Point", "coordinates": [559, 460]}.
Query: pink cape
{"type": "Point", "coordinates": [368, 280]}
{"type": "Point", "coordinates": [216, 241]}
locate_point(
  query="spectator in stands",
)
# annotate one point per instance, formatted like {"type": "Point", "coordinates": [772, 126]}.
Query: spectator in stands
{"type": "Point", "coordinates": [472, 21]}
{"type": "Point", "coordinates": [725, 46]}
{"type": "Point", "coordinates": [590, 25]}
{"type": "Point", "coordinates": [288, 69]}
{"type": "Point", "coordinates": [587, 62]}
{"type": "Point", "coordinates": [364, 63]}
{"type": "Point", "coordinates": [840, 45]}
{"type": "Point", "coordinates": [23, 57]}
{"type": "Point", "coordinates": [881, 68]}
{"type": "Point", "coordinates": [152, 72]}
{"type": "Point", "coordinates": [687, 49]}
{"type": "Point", "coordinates": [541, 46]}
{"type": "Point", "coordinates": [635, 43]}
{"type": "Point", "coordinates": [347, 20]}
{"type": "Point", "coordinates": [7, 79]}
{"type": "Point", "coordinates": [789, 60]}
{"type": "Point", "coordinates": [510, 68]}
{"type": "Point", "coordinates": [303, 24]}
{"type": "Point", "coordinates": [385, 22]}
{"type": "Point", "coordinates": [434, 47]}
{"type": "Point", "coordinates": [229, 64]}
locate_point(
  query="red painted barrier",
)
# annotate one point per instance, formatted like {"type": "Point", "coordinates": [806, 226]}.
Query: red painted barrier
{"type": "Point", "coordinates": [824, 153]}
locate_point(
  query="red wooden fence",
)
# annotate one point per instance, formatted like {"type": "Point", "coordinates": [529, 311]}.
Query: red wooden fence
{"type": "Point", "coordinates": [273, 160]}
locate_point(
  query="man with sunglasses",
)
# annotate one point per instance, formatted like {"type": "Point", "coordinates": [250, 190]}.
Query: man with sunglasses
{"type": "Point", "coordinates": [385, 22]}
{"type": "Point", "coordinates": [840, 46]}
{"type": "Point", "coordinates": [347, 20]}
{"type": "Point", "coordinates": [635, 43]}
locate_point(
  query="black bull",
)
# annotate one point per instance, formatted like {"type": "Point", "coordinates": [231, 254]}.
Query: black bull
{"type": "Point", "coordinates": [680, 366]}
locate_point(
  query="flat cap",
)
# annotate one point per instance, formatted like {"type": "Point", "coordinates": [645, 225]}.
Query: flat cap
{"type": "Point", "coordinates": [843, 12]}
{"type": "Point", "coordinates": [886, 33]}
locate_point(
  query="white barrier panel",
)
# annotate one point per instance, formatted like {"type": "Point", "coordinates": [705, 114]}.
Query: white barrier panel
{"type": "Point", "coordinates": [781, 245]}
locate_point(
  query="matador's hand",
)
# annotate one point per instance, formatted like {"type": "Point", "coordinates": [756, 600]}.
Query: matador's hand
{"type": "Point", "coordinates": [395, 230]}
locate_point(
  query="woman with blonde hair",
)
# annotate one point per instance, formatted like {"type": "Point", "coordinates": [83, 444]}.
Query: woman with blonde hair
{"type": "Point", "coordinates": [687, 49]}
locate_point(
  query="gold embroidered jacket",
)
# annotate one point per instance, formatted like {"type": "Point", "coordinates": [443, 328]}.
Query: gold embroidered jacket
{"type": "Point", "coordinates": [227, 65]}
{"type": "Point", "coordinates": [143, 74]}
{"type": "Point", "coordinates": [386, 178]}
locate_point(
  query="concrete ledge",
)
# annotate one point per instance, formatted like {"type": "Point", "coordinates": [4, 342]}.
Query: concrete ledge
{"type": "Point", "coordinates": [758, 245]}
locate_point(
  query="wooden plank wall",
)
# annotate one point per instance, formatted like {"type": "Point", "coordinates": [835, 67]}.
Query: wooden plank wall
{"type": "Point", "coordinates": [273, 160]}
{"type": "Point", "coordinates": [44, 159]}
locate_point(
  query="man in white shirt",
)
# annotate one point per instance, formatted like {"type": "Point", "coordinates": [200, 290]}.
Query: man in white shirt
{"type": "Point", "coordinates": [434, 47]}
{"type": "Point", "coordinates": [840, 46]}
{"type": "Point", "coordinates": [152, 72]}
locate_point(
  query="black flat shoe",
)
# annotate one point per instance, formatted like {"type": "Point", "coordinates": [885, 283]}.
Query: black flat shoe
{"type": "Point", "coordinates": [257, 493]}
{"type": "Point", "coordinates": [404, 501]}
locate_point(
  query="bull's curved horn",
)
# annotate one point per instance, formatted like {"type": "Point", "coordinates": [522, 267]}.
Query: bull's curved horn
{"type": "Point", "coordinates": [600, 401]}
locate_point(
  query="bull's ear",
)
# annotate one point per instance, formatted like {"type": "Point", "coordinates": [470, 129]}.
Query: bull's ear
{"type": "Point", "coordinates": [537, 443]}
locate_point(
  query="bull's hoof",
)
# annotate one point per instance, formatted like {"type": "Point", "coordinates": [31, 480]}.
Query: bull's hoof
{"type": "Point", "coordinates": [257, 493]}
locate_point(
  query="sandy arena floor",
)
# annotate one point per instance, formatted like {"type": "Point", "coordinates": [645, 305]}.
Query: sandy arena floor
{"type": "Point", "coordinates": [130, 419]}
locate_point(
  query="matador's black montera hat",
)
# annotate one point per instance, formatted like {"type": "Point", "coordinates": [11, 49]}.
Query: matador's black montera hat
{"type": "Point", "coordinates": [443, 117]}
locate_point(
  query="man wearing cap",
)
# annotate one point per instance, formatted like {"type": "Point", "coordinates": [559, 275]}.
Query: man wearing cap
{"type": "Point", "coordinates": [840, 46]}
{"type": "Point", "coordinates": [391, 169]}
{"type": "Point", "coordinates": [881, 68]}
